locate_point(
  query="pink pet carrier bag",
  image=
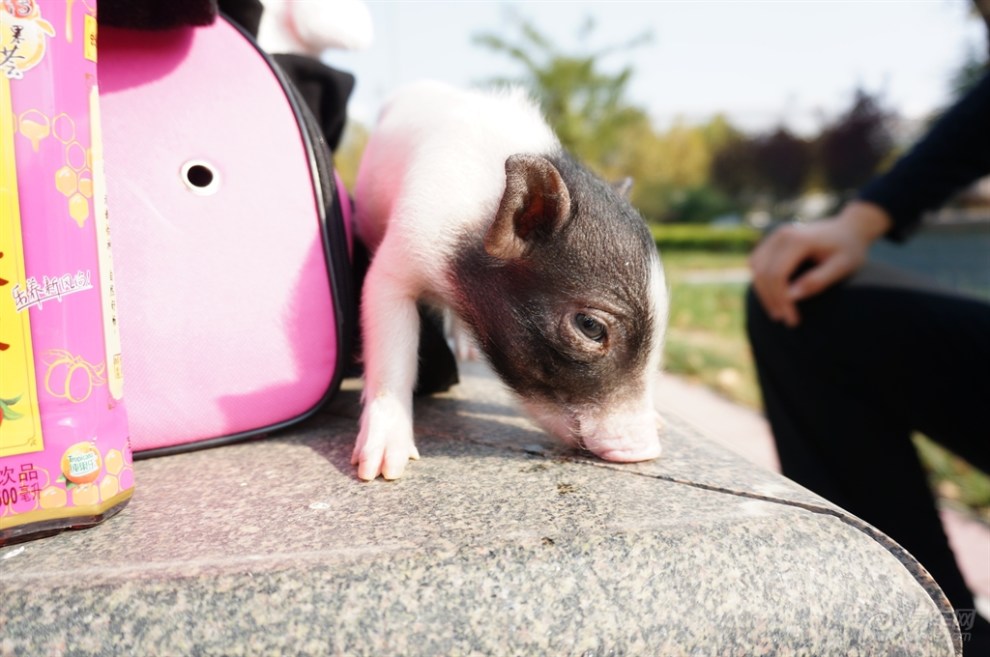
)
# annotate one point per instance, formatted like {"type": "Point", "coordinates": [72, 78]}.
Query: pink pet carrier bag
{"type": "Point", "coordinates": [230, 238]}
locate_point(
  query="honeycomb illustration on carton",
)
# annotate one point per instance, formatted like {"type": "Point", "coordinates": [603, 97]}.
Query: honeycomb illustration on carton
{"type": "Point", "coordinates": [33, 487]}
{"type": "Point", "coordinates": [74, 179]}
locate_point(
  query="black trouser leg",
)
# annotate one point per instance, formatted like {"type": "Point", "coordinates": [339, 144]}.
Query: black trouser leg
{"type": "Point", "coordinates": [844, 391]}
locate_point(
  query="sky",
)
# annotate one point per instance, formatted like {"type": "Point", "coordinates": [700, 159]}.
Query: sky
{"type": "Point", "coordinates": [760, 62]}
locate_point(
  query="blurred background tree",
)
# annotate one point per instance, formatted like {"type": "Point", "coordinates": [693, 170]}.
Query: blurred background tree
{"type": "Point", "coordinates": [982, 8]}
{"type": "Point", "coordinates": [972, 68]}
{"type": "Point", "coordinates": [591, 114]}
{"type": "Point", "coordinates": [585, 105]}
{"type": "Point", "coordinates": [976, 62]}
{"type": "Point", "coordinates": [734, 168]}
{"type": "Point", "coordinates": [687, 172]}
{"type": "Point", "coordinates": [696, 172]}
{"type": "Point", "coordinates": [852, 147]}
{"type": "Point", "coordinates": [783, 163]}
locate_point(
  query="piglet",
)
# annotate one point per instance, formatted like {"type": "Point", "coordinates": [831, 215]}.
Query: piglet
{"type": "Point", "coordinates": [468, 202]}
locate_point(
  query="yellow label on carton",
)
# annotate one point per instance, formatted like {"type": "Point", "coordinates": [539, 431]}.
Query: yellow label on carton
{"type": "Point", "coordinates": [20, 416]}
{"type": "Point", "coordinates": [89, 37]}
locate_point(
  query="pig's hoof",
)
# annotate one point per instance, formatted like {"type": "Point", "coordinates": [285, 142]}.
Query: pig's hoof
{"type": "Point", "coordinates": [385, 442]}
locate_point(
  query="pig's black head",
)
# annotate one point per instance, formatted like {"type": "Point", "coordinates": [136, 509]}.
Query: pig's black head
{"type": "Point", "coordinates": [566, 297]}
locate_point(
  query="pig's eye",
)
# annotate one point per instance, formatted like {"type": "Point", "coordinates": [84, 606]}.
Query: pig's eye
{"type": "Point", "coordinates": [590, 327]}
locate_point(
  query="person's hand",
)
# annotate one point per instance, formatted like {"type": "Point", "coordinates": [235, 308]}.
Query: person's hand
{"type": "Point", "coordinates": [834, 248]}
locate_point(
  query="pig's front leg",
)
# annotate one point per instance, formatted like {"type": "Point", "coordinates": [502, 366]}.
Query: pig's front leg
{"type": "Point", "coordinates": [390, 326]}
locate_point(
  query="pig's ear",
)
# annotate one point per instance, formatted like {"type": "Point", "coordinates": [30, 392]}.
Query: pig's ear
{"type": "Point", "coordinates": [535, 204]}
{"type": "Point", "coordinates": [623, 187]}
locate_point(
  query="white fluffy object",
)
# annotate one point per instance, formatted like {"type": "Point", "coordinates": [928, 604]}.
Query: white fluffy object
{"type": "Point", "coordinates": [308, 27]}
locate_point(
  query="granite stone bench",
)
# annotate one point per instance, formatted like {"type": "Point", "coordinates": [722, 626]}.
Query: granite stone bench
{"type": "Point", "coordinates": [498, 542]}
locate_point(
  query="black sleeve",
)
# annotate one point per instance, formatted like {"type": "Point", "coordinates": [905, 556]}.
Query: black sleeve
{"type": "Point", "coordinates": [954, 153]}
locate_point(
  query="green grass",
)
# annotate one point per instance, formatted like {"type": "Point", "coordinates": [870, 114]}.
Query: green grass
{"type": "Point", "coordinates": [706, 339]}
{"type": "Point", "coordinates": [706, 342]}
{"type": "Point", "coordinates": [701, 237]}
{"type": "Point", "coordinates": [678, 263]}
{"type": "Point", "coordinates": [955, 480]}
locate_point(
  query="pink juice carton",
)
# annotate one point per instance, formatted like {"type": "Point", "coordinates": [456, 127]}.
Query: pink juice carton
{"type": "Point", "coordinates": [65, 457]}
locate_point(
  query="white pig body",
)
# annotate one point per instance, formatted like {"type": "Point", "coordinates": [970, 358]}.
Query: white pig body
{"type": "Point", "coordinates": [436, 166]}
{"type": "Point", "coordinates": [467, 201]}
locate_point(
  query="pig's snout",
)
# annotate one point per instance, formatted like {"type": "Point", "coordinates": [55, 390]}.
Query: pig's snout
{"type": "Point", "coordinates": [632, 454]}
{"type": "Point", "coordinates": [622, 437]}
{"type": "Point", "coordinates": [619, 435]}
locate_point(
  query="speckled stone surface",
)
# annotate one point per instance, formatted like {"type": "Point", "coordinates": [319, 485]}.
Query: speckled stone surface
{"type": "Point", "coordinates": [498, 542]}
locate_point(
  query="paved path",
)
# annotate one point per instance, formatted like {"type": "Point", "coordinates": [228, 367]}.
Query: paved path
{"type": "Point", "coordinates": [706, 276]}
{"type": "Point", "coordinates": [746, 432]}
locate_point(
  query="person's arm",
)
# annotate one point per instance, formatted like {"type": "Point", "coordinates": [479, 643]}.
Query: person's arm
{"type": "Point", "coordinates": [836, 246]}
{"type": "Point", "coordinates": [952, 155]}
